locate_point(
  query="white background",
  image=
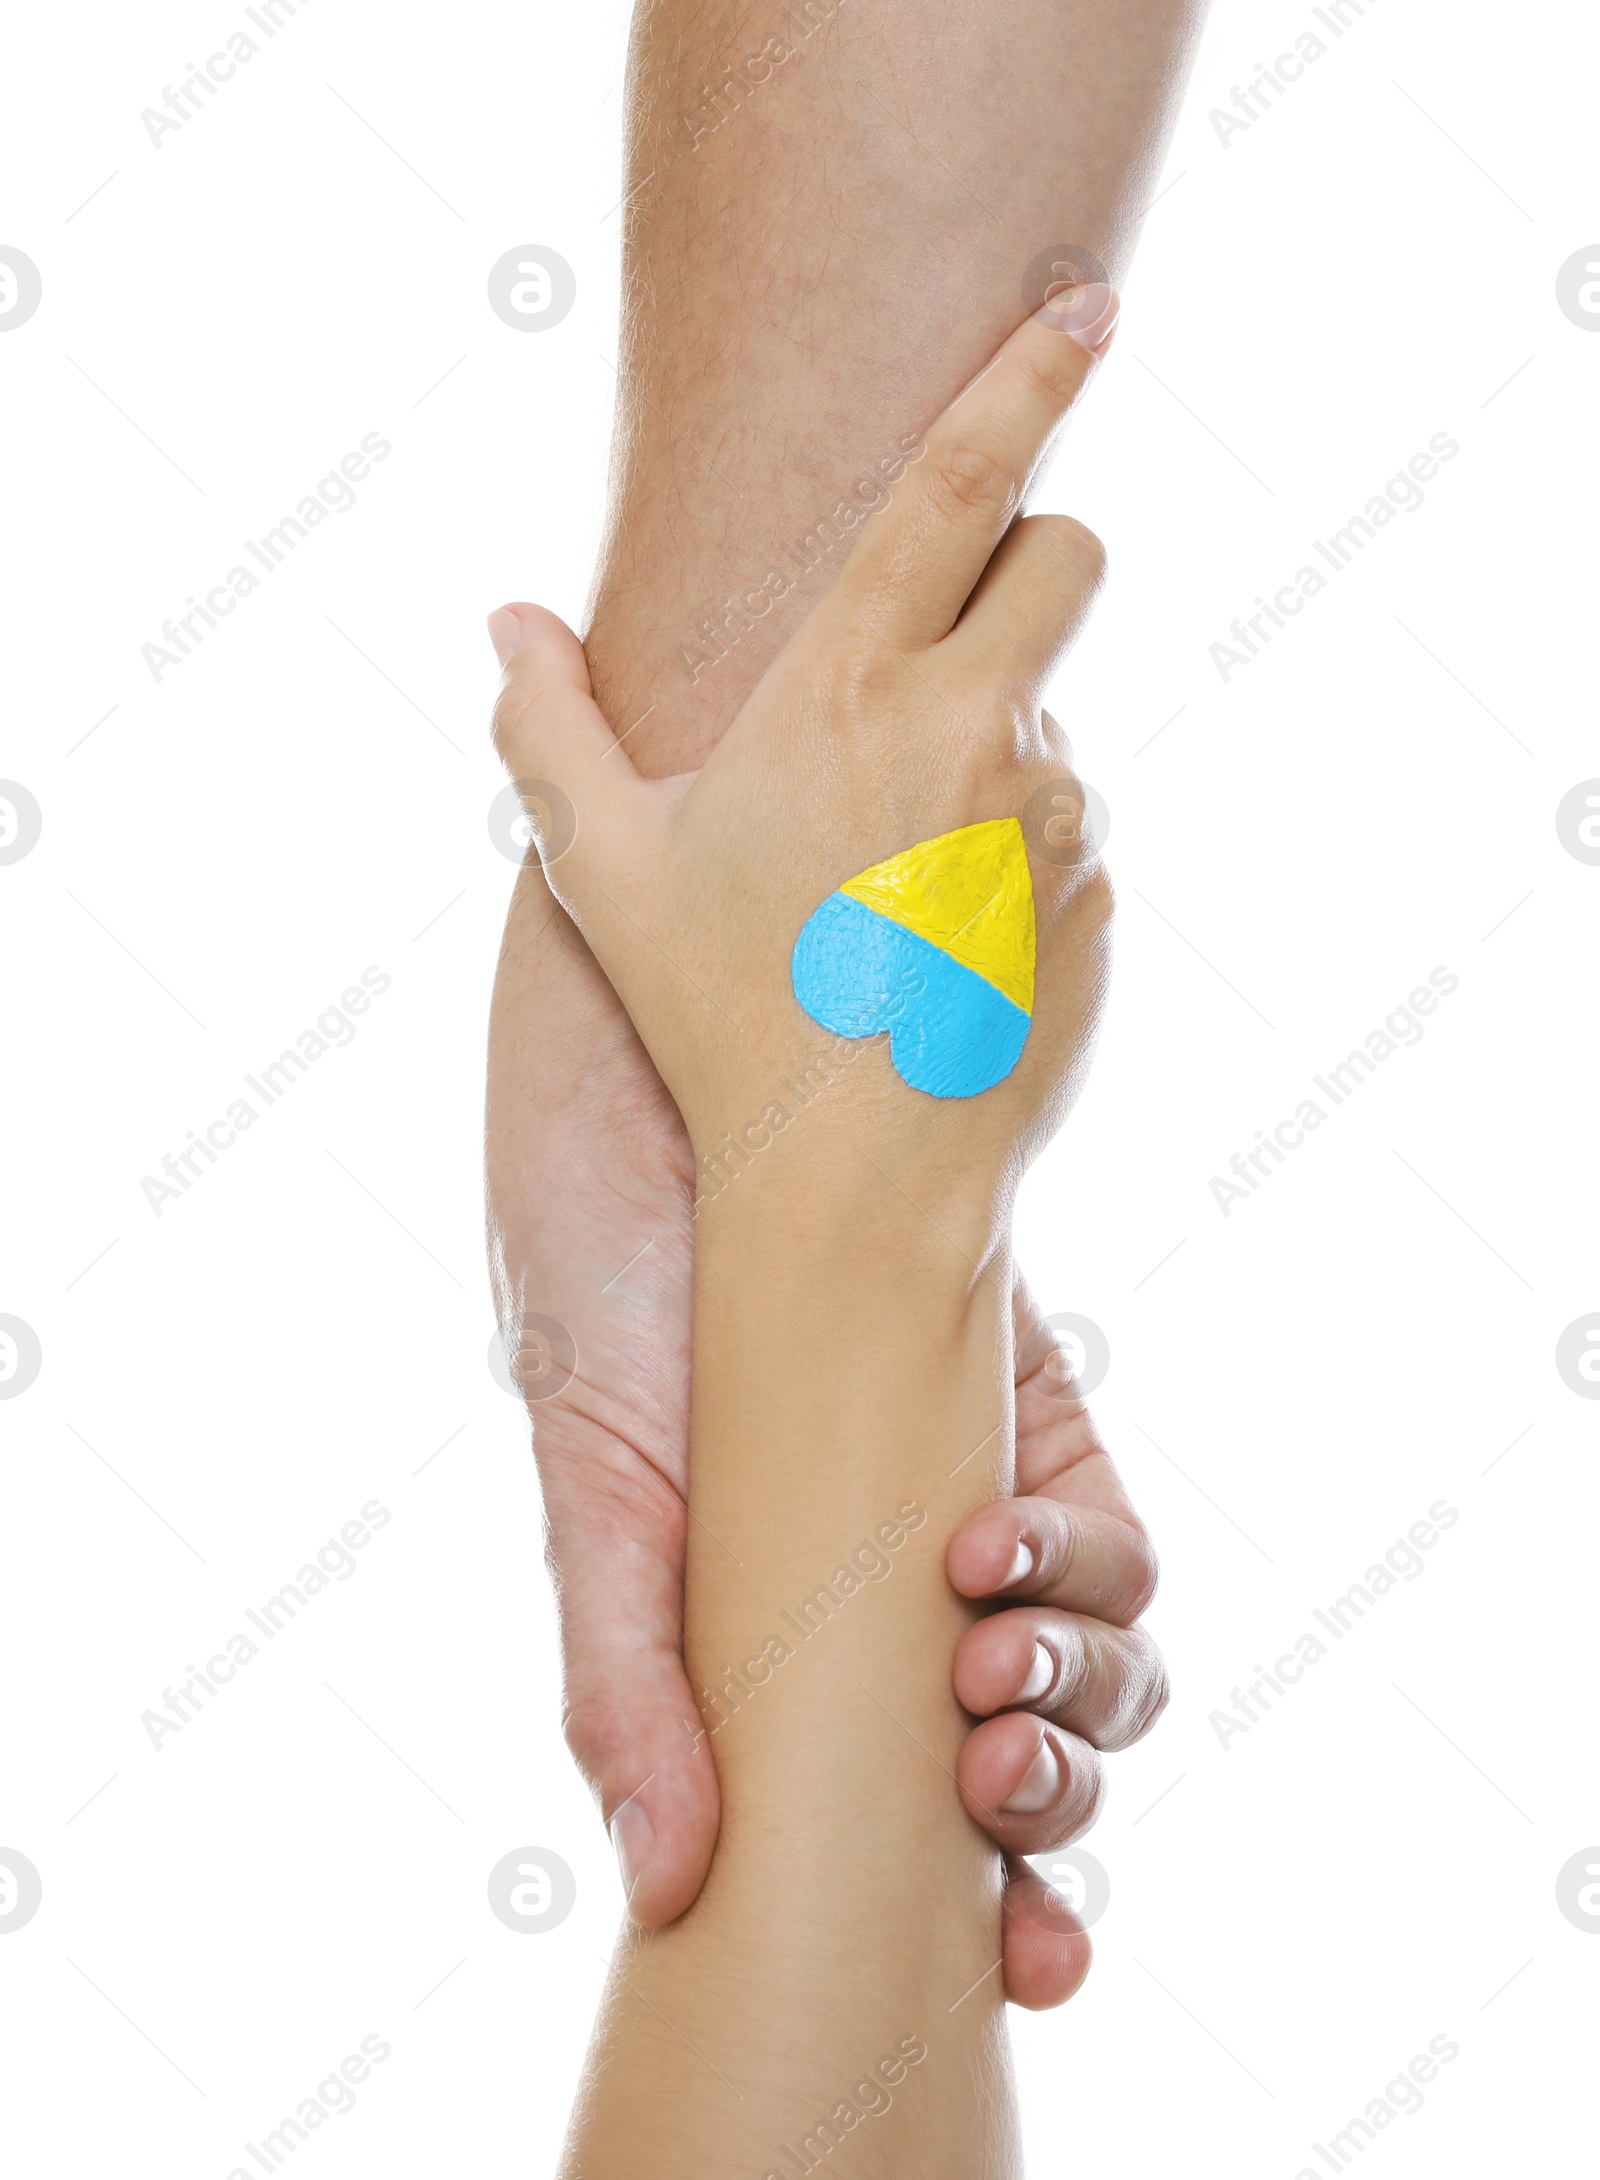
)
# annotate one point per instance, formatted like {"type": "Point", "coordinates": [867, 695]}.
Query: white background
{"type": "Point", "coordinates": [1292, 1918]}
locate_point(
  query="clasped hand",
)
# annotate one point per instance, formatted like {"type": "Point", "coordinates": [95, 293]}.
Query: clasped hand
{"type": "Point", "coordinates": [906, 707]}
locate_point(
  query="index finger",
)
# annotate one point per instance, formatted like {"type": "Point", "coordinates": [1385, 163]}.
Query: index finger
{"type": "Point", "coordinates": [917, 560]}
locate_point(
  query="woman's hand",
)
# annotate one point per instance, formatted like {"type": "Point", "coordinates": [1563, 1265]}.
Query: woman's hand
{"type": "Point", "coordinates": [905, 708]}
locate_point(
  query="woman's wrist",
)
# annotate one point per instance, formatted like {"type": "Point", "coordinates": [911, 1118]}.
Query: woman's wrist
{"type": "Point", "coordinates": [815, 1186]}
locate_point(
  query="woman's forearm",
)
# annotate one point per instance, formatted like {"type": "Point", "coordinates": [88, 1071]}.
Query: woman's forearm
{"type": "Point", "coordinates": [837, 1977]}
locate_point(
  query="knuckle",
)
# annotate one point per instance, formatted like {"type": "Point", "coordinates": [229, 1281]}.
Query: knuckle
{"type": "Point", "coordinates": [1081, 553]}
{"type": "Point", "coordinates": [989, 722]}
{"type": "Point", "coordinates": [1143, 1575]}
{"type": "Point", "coordinates": [1093, 904]}
{"type": "Point", "coordinates": [1157, 1695]}
{"type": "Point", "coordinates": [589, 1730]}
{"type": "Point", "coordinates": [862, 675]}
{"type": "Point", "coordinates": [1138, 1692]}
{"type": "Point", "coordinates": [1053, 369]}
{"type": "Point", "coordinates": [1068, 1543]}
{"type": "Point", "coordinates": [970, 478]}
{"type": "Point", "coordinates": [1057, 743]}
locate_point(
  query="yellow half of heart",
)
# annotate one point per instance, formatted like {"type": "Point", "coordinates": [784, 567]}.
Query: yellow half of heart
{"type": "Point", "coordinates": [968, 893]}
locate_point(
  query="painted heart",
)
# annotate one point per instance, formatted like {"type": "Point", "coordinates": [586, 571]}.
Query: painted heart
{"type": "Point", "coordinates": [937, 947]}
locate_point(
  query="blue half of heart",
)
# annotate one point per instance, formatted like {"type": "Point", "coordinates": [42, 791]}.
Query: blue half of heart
{"type": "Point", "coordinates": [951, 1032]}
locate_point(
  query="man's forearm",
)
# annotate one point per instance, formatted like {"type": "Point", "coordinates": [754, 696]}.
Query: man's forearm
{"type": "Point", "coordinates": [839, 1970]}
{"type": "Point", "coordinates": [818, 252]}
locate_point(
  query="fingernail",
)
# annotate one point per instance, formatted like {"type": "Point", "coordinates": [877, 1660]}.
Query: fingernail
{"type": "Point", "coordinates": [634, 1838]}
{"type": "Point", "coordinates": [1040, 1674]}
{"type": "Point", "coordinates": [1022, 1564]}
{"type": "Point", "coordinates": [1086, 314]}
{"type": "Point", "coordinates": [506, 633]}
{"type": "Point", "coordinates": [1040, 1784]}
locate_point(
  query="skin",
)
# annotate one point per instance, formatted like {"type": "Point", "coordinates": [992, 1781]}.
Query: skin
{"type": "Point", "coordinates": [806, 283]}
{"type": "Point", "coordinates": [906, 706]}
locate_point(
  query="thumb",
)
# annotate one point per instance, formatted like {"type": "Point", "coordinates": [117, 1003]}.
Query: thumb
{"type": "Point", "coordinates": [586, 803]}
{"type": "Point", "coordinates": [630, 1715]}
{"type": "Point", "coordinates": [634, 1728]}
